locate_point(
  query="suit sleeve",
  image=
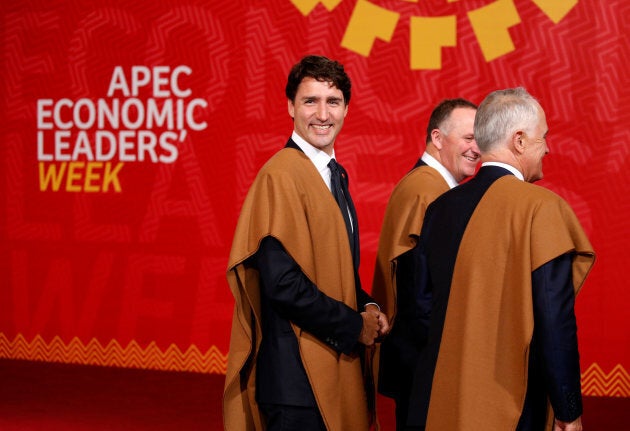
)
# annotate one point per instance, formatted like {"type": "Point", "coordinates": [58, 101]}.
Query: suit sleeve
{"type": "Point", "coordinates": [413, 299]}
{"type": "Point", "coordinates": [555, 334]}
{"type": "Point", "coordinates": [363, 298]}
{"type": "Point", "coordinates": [294, 297]}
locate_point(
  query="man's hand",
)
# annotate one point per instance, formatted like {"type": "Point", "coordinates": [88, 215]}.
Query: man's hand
{"type": "Point", "coordinates": [576, 425]}
{"type": "Point", "coordinates": [383, 321]}
{"type": "Point", "coordinates": [370, 329]}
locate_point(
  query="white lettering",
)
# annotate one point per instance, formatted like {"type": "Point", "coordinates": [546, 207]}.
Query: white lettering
{"type": "Point", "coordinates": [118, 82]}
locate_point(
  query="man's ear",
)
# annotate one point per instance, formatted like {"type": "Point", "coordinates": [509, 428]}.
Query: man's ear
{"type": "Point", "coordinates": [436, 138]}
{"type": "Point", "coordinates": [517, 142]}
{"type": "Point", "coordinates": [291, 108]}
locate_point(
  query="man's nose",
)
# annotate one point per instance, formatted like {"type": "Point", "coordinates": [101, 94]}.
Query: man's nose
{"type": "Point", "coordinates": [322, 111]}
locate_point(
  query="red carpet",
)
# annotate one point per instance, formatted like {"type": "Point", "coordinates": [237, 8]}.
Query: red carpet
{"type": "Point", "coordinates": [38, 396]}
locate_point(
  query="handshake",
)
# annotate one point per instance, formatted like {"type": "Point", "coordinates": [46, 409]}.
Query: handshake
{"type": "Point", "coordinates": [375, 325]}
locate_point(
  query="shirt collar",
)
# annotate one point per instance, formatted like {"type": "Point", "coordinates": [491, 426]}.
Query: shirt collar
{"type": "Point", "coordinates": [319, 158]}
{"type": "Point", "coordinates": [510, 168]}
{"type": "Point", "coordinates": [431, 161]}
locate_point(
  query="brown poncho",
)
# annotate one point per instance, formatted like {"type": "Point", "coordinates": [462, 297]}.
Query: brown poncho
{"type": "Point", "coordinates": [289, 201]}
{"type": "Point", "coordinates": [481, 373]}
{"type": "Point", "coordinates": [401, 227]}
{"type": "Point", "coordinates": [399, 233]}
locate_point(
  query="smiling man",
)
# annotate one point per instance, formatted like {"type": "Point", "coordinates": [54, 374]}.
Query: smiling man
{"type": "Point", "coordinates": [301, 316]}
{"type": "Point", "coordinates": [503, 260]}
{"type": "Point", "coordinates": [451, 155]}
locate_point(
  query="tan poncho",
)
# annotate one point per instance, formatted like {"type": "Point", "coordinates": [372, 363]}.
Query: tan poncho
{"type": "Point", "coordinates": [481, 373]}
{"type": "Point", "coordinates": [401, 227]}
{"type": "Point", "coordinates": [399, 233]}
{"type": "Point", "coordinates": [289, 201]}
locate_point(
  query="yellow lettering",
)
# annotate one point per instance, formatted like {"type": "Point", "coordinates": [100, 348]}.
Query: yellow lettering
{"type": "Point", "coordinates": [80, 176]}
{"type": "Point", "coordinates": [73, 175]}
{"type": "Point", "coordinates": [50, 176]}
{"type": "Point", "coordinates": [111, 177]}
{"type": "Point", "coordinates": [92, 179]}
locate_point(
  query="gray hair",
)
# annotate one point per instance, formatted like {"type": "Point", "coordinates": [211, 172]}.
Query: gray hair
{"type": "Point", "coordinates": [502, 113]}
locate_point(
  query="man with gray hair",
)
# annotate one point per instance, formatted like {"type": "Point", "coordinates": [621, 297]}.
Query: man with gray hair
{"type": "Point", "coordinates": [504, 260]}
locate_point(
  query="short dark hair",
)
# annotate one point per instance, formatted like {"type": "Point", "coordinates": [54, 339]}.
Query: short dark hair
{"type": "Point", "coordinates": [442, 111]}
{"type": "Point", "coordinates": [322, 69]}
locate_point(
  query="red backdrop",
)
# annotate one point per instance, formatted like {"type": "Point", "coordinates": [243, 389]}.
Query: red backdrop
{"type": "Point", "coordinates": [132, 130]}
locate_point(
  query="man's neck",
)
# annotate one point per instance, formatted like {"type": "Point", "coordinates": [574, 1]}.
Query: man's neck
{"type": "Point", "coordinates": [435, 164]}
{"type": "Point", "coordinates": [492, 161]}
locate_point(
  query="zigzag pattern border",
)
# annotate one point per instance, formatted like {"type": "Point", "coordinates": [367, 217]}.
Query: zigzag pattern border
{"type": "Point", "coordinates": [616, 383]}
{"type": "Point", "coordinates": [595, 382]}
{"type": "Point", "coordinates": [114, 355]}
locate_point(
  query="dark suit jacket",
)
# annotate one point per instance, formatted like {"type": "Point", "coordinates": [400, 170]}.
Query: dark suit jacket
{"type": "Point", "coordinates": [554, 361]}
{"type": "Point", "coordinates": [287, 295]}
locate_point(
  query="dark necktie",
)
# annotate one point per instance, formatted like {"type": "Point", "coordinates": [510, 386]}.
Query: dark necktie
{"type": "Point", "coordinates": [337, 189]}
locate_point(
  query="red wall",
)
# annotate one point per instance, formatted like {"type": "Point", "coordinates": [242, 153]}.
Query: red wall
{"type": "Point", "coordinates": [118, 257]}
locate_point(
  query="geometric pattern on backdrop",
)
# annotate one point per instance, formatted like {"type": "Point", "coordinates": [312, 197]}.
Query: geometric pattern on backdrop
{"type": "Point", "coordinates": [595, 381]}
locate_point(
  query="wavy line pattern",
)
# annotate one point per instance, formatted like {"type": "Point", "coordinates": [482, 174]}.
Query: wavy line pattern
{"type": "Point", "coordinates": [113, 354]}
{"type": "Point", "coordinates": [595, 381]}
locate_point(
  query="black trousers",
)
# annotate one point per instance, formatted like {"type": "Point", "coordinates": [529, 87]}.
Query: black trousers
{"type": "Point", "coordinates": [402, 408]}
{"type": "Point", "coordinates": [292, 418]}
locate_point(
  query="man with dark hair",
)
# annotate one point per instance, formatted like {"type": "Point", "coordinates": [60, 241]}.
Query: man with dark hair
{"type": "Point", "coordinates": [503, 260]}
{"type": "Point", "coordinates": [301, 316]}
{"type": "Point", "coordinates": [451, 155]}
{"type": "Point", "coordinates": [313, 67]}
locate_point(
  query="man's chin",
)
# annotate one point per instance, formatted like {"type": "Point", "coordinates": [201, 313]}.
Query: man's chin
{"type": "Point", "coordinates": [321, 141]}
{"type": "Point", "coordinates": [470, 171]}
